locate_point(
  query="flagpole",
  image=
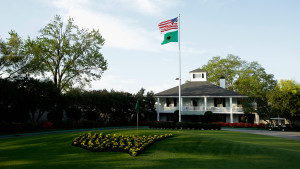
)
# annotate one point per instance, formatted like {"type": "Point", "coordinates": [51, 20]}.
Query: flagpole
{"type": "Point", "coordinates": [137, 124]}
{"type": "Point", "coordinates": [179, 68]}
{"type": "Point", "coordinates": [137, 118]}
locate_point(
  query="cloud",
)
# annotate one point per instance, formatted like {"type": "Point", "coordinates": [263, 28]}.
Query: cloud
{"type": "Point", "coordinates": [119, 31]}
{"type": "Point", "coordinates": [154, 7]}
{"type": "Point", "coordinates": [123, 32]}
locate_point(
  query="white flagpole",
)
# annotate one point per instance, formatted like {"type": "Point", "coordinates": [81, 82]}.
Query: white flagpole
{"type": "Point", "coordinates": [179, 68]}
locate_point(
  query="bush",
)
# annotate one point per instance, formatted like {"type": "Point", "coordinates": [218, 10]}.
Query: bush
{"type": "Point", "coordinates": [74, 113]}
{"type": "Point", "coordinates": [184, 125]}
{"type": "Point", "coordinates": [248, 125]}
{"type": "Point", "coordinates": [91, 115]}
{"type": "Point", "coordinates": [174, 116]}
{"type": "Point", "coordinates": [261, 125]}
{"type": "Point", "coordinates": [208, 117]}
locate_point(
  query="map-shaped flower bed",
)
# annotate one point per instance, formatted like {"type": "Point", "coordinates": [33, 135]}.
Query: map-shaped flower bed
{"type": "Point", "coordinates": [133, 145]}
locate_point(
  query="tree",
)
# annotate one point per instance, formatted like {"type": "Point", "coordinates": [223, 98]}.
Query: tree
{"type": "Point", "coordinates": [146, 105]}
{"type": "Point", "coordinates": [254, 81]}
{"type": "Point", "coordinates": [24, 98]}
{"type": "Point", "coordinates": [286, 99]}
{"type": "Point", "coordinates": [228, 67]}
{"type": "Point", "coordinates": [70, 54]}
{"type": "Point", "coordinates": [74, 113]}
{"type": "Point", "coordinates": [13, 61]}
{"type": "Point", "coordinates": [248, 78]}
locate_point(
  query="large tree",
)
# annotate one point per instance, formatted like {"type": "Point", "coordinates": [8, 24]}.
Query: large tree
{"type": "Point", "coordinates": [286, 99]}
{"type": "Point", "coordinates": [24, 98]}
{"type": "Point", "coordinates": [248, 78]}
{"type": "Point", "coordinates": [70, 54]}
{"type": "Point", "coordinates": [254, 81]}
{"type": "Point", "coordinates": [223, 67]}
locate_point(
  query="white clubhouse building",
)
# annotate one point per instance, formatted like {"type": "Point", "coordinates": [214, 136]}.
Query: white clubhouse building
{"type": "Point", "coordinates": [199, 96]}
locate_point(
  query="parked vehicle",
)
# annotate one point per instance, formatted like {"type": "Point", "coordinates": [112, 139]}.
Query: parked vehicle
{"type": "Point", "coordinates": [278, 124]}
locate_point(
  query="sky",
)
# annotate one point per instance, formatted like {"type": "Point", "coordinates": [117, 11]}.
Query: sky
{"type": "Point", "coordinates": [265, 31]}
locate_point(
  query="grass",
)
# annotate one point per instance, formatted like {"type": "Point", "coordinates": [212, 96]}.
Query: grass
{"type": "Point", "coordinates": [188, 149]}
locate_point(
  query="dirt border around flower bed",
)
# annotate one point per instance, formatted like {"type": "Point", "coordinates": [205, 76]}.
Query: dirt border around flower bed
{"type": "Point", "coordinates": [282, 134]}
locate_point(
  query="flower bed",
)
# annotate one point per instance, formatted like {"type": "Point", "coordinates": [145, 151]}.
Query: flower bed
{"type": "Point", "coordinates": [99, 142]}
{"type": "Point", "coordinates": [184, 125]}
{"type": "Point", "coordinates": [242, 125]}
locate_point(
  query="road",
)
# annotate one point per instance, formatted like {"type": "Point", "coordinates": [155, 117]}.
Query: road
{"type": "Point", "coordinates": [282, 134]}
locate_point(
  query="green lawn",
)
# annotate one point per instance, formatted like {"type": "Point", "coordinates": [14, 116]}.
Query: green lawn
{"type": "Point", "coordinates": [188, 149]}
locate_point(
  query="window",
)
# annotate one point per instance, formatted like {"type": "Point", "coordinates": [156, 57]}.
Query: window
{"type": "Point", "coordinates": [175, 102]}
{"type": "Point", "coordinates": [239, 102]}
{"type": "Point", "coordinates": [203, 75]}
{"type": "Point", "coordinates": [197, 75]}
{"type": "Point", "coordinates": [219, 102]}
{"type": "Point", "coordinates": [195, 103]}
{"type": "Point", "coordinates": [168, 102]}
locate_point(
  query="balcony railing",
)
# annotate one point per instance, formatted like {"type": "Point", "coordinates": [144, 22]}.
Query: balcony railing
{"type": "Point", "coordinates": [219, 109]}
{"type": "Point", "coordinates": [168, 109]}
{"type": "Point", "coordinates": [198, 108]}
{"type": "Point", "coordinates": [237, 109]}
{"type": "Point", "coordinates": [192, 108]}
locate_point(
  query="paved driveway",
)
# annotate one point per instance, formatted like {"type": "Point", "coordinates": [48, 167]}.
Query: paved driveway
{"type": "Point", "coordinates": [282, 134]}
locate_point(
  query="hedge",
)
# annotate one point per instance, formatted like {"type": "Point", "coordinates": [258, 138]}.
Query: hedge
{"type": "Point", "coordinates": [184, 125]}
{"type": "Point", "coordinates": [242, 125]}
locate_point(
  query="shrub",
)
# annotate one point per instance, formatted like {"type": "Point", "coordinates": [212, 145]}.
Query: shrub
{"type": "Point", "coordinates": [208, 117]}
{"type": "Point", "coordinates": [185, 125]}
{"type": "Point", "coordinates": [47, 125]}
{"type": "Point", "coordinates": [74, 113]}
{"type": "Point", "coordinates": [240, 124]}
{"type": "Point", "coordinates": [248, 125]}
{"type": "Point", "coordinates": [261, 125]}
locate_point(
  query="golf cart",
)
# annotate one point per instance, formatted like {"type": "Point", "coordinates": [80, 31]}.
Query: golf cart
{"type": "Point", "coordinates": [277, 124]}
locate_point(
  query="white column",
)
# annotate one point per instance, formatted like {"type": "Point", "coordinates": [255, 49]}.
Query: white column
{"type": "Point", "coordinates": [231, 115]}
{"type": "Point", "coordinates": [205, 104]}
{"type": "Point", "coordinates": [157, 109]}
{"type": "Point", "coordinates": [181, 102]}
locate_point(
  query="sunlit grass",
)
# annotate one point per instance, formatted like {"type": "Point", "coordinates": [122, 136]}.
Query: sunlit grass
{"type": "Point", "coordinates": [187, 149]}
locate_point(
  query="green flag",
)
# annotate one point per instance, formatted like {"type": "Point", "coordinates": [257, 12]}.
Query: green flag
{"type": "Point", "coordinates": [137, 107]}
{"type": "Point", "coordinates": [170, 37]}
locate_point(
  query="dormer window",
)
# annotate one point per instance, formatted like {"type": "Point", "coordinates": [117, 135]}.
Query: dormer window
{"type": "Point", "coordinates": [198, 75]}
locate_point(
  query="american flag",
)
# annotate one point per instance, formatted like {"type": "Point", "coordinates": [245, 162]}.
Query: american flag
{"type": "Point", "coordinates": [168, 25]}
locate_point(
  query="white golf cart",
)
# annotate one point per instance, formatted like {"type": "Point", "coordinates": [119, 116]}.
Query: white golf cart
{"type": "Point", "coordinates": [277, 124]}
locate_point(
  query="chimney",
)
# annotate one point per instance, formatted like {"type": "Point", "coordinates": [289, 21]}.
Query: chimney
{"type": "Point", "coordinates": [222, 82]}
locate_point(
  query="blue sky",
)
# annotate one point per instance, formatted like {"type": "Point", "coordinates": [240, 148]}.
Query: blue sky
{"type": "Point", "coordinates": [266, 31]}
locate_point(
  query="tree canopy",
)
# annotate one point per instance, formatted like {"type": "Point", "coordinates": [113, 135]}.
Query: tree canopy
{"type": "Point", "coordinates": [248, 78]}
{"type": "Point", "coordinates": [13, 61]}
{"type": "Point", "coordinates": [285, 99]}
{"type": "Point", "coordinates": [70, 54]}
{"type": "Point", "coordinates": [228, 67]}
